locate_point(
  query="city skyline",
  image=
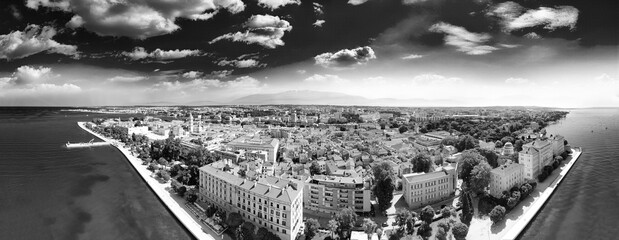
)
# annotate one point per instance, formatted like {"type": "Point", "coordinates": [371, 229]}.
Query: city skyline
{"type": "Point", "coordinates": [452, 53]}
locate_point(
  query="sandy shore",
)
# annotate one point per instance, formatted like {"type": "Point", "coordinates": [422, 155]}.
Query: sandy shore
{"type": "Point", "coordinates": [518, 219]}
{"type": "Point", "coordinates": [177, 208]}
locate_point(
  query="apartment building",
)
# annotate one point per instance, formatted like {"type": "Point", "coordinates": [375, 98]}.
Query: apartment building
{"type": "Point", "coordinates": [269, 145]}
{"type": "Point", "coordinates": [330, 194]}
{"type": "Point", "coordinates": [270, 202]}
{"type": "Point", "coordinates": [505, 177]}
{"type": "Point", "coordinates": [421, 189]}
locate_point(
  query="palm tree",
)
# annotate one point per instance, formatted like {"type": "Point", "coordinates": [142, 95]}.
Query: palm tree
{"type": "Point", "coordinates": [333, 226]}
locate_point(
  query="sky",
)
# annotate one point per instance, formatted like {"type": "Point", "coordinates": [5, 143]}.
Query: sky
{"type": "Point", "coordinates": [463, 52]}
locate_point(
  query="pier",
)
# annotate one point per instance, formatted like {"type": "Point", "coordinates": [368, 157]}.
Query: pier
{"type": "Point", "coordinates": [90, 143]}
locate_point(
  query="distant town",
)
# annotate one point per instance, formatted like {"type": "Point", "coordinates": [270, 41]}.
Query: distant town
{"type": "Point", "coordinates": [333, 172]}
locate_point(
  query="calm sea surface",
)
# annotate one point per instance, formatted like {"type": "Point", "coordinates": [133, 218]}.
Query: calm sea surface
{"type": "Point", "coordinates": [50, 192]}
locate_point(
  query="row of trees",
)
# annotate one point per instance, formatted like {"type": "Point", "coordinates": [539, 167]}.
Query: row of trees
{"type": "Point", "coordinates": [547, 170]}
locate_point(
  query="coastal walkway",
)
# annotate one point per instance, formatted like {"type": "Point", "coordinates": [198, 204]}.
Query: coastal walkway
{"type": "Point", "coordinates": [190, 223]}
{"type": "Point", "coordinates": [528, 216]}
{"type": "Point", "coordinates": [519, 218]}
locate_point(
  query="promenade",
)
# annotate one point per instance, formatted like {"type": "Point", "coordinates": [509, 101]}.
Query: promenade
{"type": "Point", "coordinates": [518, 218]}
{"type": "Point", "coordinates": [176, 207]}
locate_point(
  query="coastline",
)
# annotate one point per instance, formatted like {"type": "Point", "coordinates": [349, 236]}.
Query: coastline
{"type": "Point", "coordinates": [164, 196]}
{"type": "Point", "coordinates": [537, 206]}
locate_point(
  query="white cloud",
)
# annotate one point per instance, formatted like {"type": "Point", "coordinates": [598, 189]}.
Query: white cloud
{"type": "Point", "coordinates": [158, 54]}
{"type": "Point", "coordinates": [243, 63]}
{"type": "Point", "coordinates": [222, 73]}
{"type": "Point", "coordinates": [301, 71]}
{"type": "Point", "coordinates": [34, 39]}
{"type": "Point", "coordinates": [532, 35]}
{"type": "Point", "coordinates": [28, 75]}
{"type": "Point", "coordinates": [200, 85]}
{"type": "Point", "coordinates": [319, 23]}
{"type": "Point", "coordinates": [412, 56]}
{"type": "Point", "coordinates": [265, 30]}
{"type": "Point", "coordinates": [356, 2]}
{"type": "Point", "coordinates": [515, 17]}
{"type": "Point", "coordinates": [465, 41]}
{"type": "Point", "coordinates": [518, 81]}
{"type": "Point", "coordinates": [127, 79]}
{"type": "Point", "coordinates": [509, 45]}
{"type": "Point", "coordinates": [318, 9]}
{"type": "Point", "coordinates": [275, 4]}
{"type": "Point", "coordinates": [136, 19]}
{"type": "Point", "coordinates": [192, 74]}
{"type": "Point", "coordinates": [411, 2]}
{"type": "Point", "coordinates": [345, 58]}
{"type": "Point", "coordinates": [326, 78]}
{"type": "Point", "coordinates": [31, 82]}
{"type": "Point", "coordinates": [435, 79]}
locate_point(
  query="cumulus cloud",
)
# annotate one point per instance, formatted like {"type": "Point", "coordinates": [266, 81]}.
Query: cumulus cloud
{"type": "Point", "coordinates": [532, 35]}
{"type": "Point", "coordinates": [222, 73]}
{"type": "Point", "coordinates": [356, 2]}
{"type": "Point", "coordinates": [127, 79]}
{"type": "Point", "coordinates": [34, 39]}
{"type": "Point", "coordinates": [412, 56]}
{"type": "Point", "coordinates": [32, 82]}
{"type": "Point", "coordinates": [319, 23]}
{"type": "Point", "coordinates": [435, 79]}
{"type": "Point", "coordinates": [345, 58]}
{"type": "Point", "coordinates": [242, 63]}
{"type": "Point", "coordinates": [275, 4]}
{"type": "Point", "coordinates": [326, 78]}
{"type": "Point", "coordinates": [136, 19]}
{"type": "Point", "coordinates": [265, 30]}
{"type": "Point", "coordinates": [200, 84]}
{"type": "Point", "coordinates": [193, 74]}
{"type": "Point", "coordinates": [139, 53]}
{"type": "Point", "coordinates": [318, 8]}
{"type": "Point", "coordinates": [465, 41]}
{"type": "Point", "coordinates": [515, 17]}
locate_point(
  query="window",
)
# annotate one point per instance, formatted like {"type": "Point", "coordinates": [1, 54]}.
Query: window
{"type": "Point", "coordinates": [284, 223]}
{"type": "Point", "coordinates": [284, 231]}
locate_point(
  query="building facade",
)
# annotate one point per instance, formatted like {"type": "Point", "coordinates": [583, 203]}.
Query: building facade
{"type": "Point", "coordinates": [268, 145]}
{"type": "Point", "coordinates": [421, 189]}
{"type": "Point", "coordinates": [534, 156]}
{"type": "Point", "coordinates": [330, 194]}
{"type": "Point", "coordinates": [558, 144]}
{"type": "Point", "coordinates": [505, 177]}
{"type": "Point", "coordinates": [269, 202]}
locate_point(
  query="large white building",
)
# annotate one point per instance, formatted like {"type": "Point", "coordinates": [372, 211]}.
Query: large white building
{"type": "Point", "coordinates": [421, 189]}
{"type": "Point", "coordinates": [331, 194]}
{"type": "Point", "coordinates": [558, 144]}
{"type": "Point", "coordinates": [505, 177]}
{"type": "Point", "coordinates": [273, 203]}
{"type": "Point", "coordinates": [534, 156]}
{"type": "Point", "coordinates": [269, 145]}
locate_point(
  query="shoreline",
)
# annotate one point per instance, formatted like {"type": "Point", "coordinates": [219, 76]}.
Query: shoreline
{"type": "Point", "coordinates": [527, 217]}
{"type": "Point", "coordinates": [182, 216]}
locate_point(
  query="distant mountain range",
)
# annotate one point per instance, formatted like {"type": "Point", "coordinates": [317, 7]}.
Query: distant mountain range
{"type": "Point", "coordinates": [307, 97]}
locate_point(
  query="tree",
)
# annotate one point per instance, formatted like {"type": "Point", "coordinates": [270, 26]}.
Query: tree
{"type": "Point", "coordinates": [480, 177]}
{"type": "Point", "coordinates": [234, 220]}
{"type": "Point", "coordinates": [446, 212]}
{"type": "Point", "coordinates": [460, 230]}
{"type": "Point", "coordinates": [191, 197]}
{"type": "Point", "coordinates": [518, 145]}
{"type": "Point", "coordinates": [498, 144]}
{"type": "Point", "coordinates": [181, 191]}
{"type": "Point", "coordinates": [164, 175]}
{"type": "Point", "coordinates": [421, 163]}
{"type": "Point", "coordinates": [466, 142]}
{"type": "Point", "coordinates": [491, 157]}
{"type": "Point", "coordinates": [311, 228]}
{"type": "Point", "coordinates": [512, 202]}
{"type": "Point", "coordinates": [559, 158]}
{"type": "Point", "coordinates": [383, 187]}
{"type": "Point", "coordinates": [346, 220]}
{"type": "Point", "coordinates": [449, 141]}
{"type": "Point", "coordinates": [334, 225]}
{"type": "Point", "coordinates": [441, 234]}
{"type": "Point", "coordinates": [402, 129]}
{"type": "Point", "coordinates": [425, 230]}
{"type": "Point", "coordinates": [369, 227]}
{"type": "Point", "coordinates": [469, 160]}
{"type": "Point", "coordinates": [238, 233]}
{"type": "Point", "coordinates": [497, 214]}
{"type": "Point", "coordinates": [265, 234]}
{"type": "Point", "coordinates": [427, 214]}
{"type": "Point", "coordinates": [242, 172]}
{"type": "Point", "coordinates": [402, 216]}
{"type": "Point", "coordinates": [445, 226]}
{"type": "Point", "coordinates": [315, 168]}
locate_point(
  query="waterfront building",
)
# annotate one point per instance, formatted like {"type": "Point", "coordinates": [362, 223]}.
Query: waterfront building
{"type": "Point", "coordinates": [269, 145]}
{"type": "Point", "coordinates": [270, 202]}
{"type": "Point", "coordinates": [558, 144]}
{"type": "Point", "coordinates": [331, 194]}
{"type": "Point", "coordinates": [505, 177]}
{"type": "Point", "coordinates": [534, 156]}
{"type": "Point", "coordinates": [421, 189]}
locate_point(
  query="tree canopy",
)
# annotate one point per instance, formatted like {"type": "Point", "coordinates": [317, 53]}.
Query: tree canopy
{"type": "Point", "coordinates": [383, 184]}
{"type": "Point", "coordinates": [421, 163]}
{"type": "Point", "coordinates": [480, 177]}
